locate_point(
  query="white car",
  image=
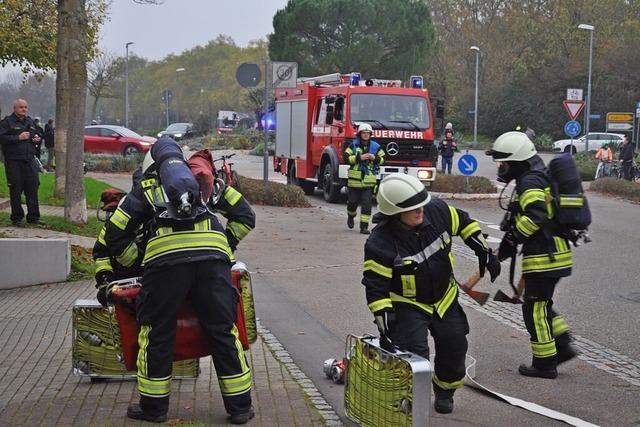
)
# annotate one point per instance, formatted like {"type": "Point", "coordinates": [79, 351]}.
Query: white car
{"type": "Point", "coordinates": [596, 140]}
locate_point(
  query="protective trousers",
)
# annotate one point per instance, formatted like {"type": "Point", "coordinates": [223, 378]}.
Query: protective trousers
{"type": "Point", "coordinates": [360, 196]}
{"type": "Point", "coordinates": [207, 287]}
{"type": "Point", "coordinates": [22, 176]}
{"type": "Point", "coordinates": [548, 330]}
{"type": "Point", "coordinates": [411, 332]}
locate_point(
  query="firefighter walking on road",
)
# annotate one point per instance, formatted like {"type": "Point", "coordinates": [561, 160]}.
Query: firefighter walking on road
{"type": "Point", "coordinates": [408, 278]}
{"type": "Point", "coordinates": [363, 155]}
{"type": "Point", "coordinates": [188, 256]}
{"type": "Point", "coordinates": [546, 252]}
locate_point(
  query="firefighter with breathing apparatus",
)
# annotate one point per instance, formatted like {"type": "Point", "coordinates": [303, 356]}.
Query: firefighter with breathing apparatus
{"type": "Point", "coordinates": [364, 155]}
{"type": "Point", "coordinates": [188, 256]}
{"type": "Point", "coordinates": [547, 258]}
{"type": "Point", "coordinates": [409, 282]}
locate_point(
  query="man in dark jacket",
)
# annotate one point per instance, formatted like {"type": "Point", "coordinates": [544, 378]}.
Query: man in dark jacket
{"type": "Point", "coordinates": [19, 137]}
{"type": "Point", "coordinates": [626, 158]}
{"type": "Point", "coordinates": [40, 133]}
{"type": "Point", "coordinates": [408, 277]}
{"type": "Point", "coordinates": [447, 147]}
{"type": "Point", "coordinates": [49, 142]}
{"type": "Point", "coordinates": [546, 252]}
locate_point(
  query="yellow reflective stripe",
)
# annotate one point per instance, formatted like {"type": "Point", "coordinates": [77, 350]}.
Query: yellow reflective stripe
{"type": "Point", "coordinates": [154, 387]}
{"type": "Point", "coordinates": [147, 183]}
{"type": "Point", "coordinates": [531, 196]}
{"type": "Point", "coordinates": [148, 194]}
{"type": "Point", "coordinates": [203, 225]}
{"type": "Point", "coordinates": [446, 385]}
{"type": "Point", "coordinates": [365, 218]}
{"type": "Point", "coordinates": [571, 201]}
{"type": "Point", "coordinates": [469, 230]}
{"type": "Point", "coordinates": [128, 256]}
{"type": "Point", "coordinates": [543, 349]}
{"type": "Point", "coordinates": [559, 326]}
{"type": "Point", "coordinates": [352, 159]}
{"type": "Point", "coordinates": [143, 342]}
{"type": "Point", "coordinates": [379, 269]}
{"type": "Point", "coordinates": [352, 213]}
{"type": "Point", "coordinates": [526, 226]}
{"type": "Point", "coordinates": [538, 263]}
{"type": "Point", "coordinates": [238, 229]}
{"type": "Point", "coordinates": [452, 260]}
{"type": "Point", "coordinates": [455, 220]}
{"type": "Point", "coordinates": [232, 196]}
{"type": "Point", "coordinates": [561, 244]}
{"type": "Point", "coordinates": [427, 308]}
{"type": "Point", "coordinates": [540, 323]}
{"type": "Point", "coordinates": [447, 299]}
{"type": "Point", "coordinates": [103, 232]}
{"type": "Point", "coordinates": [381, 157]}
{"type": "Point", "coordinates": [354, 174]}
{"type": "Point", "coordinates": [408, 285]}
{"type": "Point", "coordinates": [103, 264]}
{"type": "Point", "coordinates": [380, 304]}
{"type": "Point", "coordinates": [120, 219]}
{"type": "Point", "coordinates": [163, 230]}
{"type": "Point", "coordinates": [232, 386]}
{"type": "Point", "coordinates": [186, 240]}
{"type": "Point", "coordinates": [352, 183]}
{"type": "Point", "coordinates": [548, 199]}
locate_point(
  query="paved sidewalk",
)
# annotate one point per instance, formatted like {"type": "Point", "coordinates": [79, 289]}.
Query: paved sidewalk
{"type": "Point", "coordinates": [38, 387]}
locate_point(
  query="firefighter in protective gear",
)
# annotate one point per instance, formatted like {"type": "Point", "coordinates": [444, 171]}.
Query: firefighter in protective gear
{"type": "Point", "coordinates": [364, 155]}
{"type": "Point", "coordinates": [186, 258]}
{"type": "Point", "coordinates": [546, 252]}
{"type": "Point", "coordinates": [409, 282]}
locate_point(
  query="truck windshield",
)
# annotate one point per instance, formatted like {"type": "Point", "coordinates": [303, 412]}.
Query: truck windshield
{"type": "Point", "coordinates": [393, 111]}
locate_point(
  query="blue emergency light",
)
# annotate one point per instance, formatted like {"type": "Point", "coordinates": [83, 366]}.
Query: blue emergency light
{"type": "Point", "coordinates": [354, 79]}
{"type": "Point", "coordinates": [417, 82]}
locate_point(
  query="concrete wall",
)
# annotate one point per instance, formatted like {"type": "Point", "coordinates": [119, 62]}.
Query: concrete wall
{"type": "Point", "coordinates": [25, 262]}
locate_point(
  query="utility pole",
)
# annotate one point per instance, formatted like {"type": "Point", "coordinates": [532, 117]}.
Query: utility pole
{"type": "Point", "coordinates": [126, 85]}
{"type": "Point", "coordinates": [587, 113]}
{"type": "Point", "coordinates": [475, 108]}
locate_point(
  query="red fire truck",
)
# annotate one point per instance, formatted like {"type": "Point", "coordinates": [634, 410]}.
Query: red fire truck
{"type": "Point", "coordinates": [318, 119]}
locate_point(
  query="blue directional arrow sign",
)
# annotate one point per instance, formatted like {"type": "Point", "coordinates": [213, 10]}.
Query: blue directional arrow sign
{"type": "Point", "coordinates": [572, 128]}
{"type": "Point", "coordinates": [467, 164]}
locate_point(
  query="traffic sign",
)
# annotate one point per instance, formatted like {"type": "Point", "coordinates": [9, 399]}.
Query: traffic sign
{"type": "Point", "coordinates": [574, 94]}
{"type": "Point", "coordinates": [248, 75]}
{"type": "Point", "coordinates": [620, 126]}
{"type": "Point", "coordinates": [620, 117]}
{"type": "Point", "coordinates": [573, 108]}
{"type": "Point", "coordinates": [285, 74]}
{"type": "Point", "coordinates": [467, 164]}
{"type": "Point", "coordinates": [572, 128]}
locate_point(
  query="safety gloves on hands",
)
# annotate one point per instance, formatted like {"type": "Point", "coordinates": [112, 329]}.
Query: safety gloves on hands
{"type": "Point", "coordinates": [103, 280]}
{"type": "Point", "coordinates": [385, 321]}
{"type": "Point", "coordinates": [493, 265]}
{"type": "Point", "coordinates": [508, 247]}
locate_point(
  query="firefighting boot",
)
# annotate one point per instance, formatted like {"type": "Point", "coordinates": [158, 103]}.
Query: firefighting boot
{"type": "Point", "coordinates": [350, 222]}
{"type": "Point", "coordinates": [135, 412]}
{"type": "Point", "coordinates": [531, 371]}
{"type": "Point", "coordinates": [565, 350]}
{"type": "Point", "coordinates": [443, 403]}
{"type": "Point", "coordinates": [242, 418]}
{"type": "Point", "coordinates": [364, 228]}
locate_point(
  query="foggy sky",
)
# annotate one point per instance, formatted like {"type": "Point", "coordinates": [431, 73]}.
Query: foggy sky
{"type": "Point", "coordinates": [178, 25]}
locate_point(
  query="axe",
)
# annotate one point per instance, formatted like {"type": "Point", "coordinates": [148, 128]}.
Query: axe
{"type": "Point", "coordinates": [517, 293]}
{"type": "Point", "coordinates": [479, 297]}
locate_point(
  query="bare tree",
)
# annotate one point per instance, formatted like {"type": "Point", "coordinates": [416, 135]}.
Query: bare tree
{"type": "Point", "coordinates": [103, 71]}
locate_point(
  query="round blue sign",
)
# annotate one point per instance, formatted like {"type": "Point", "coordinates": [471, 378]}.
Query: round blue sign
{"type": "Point", "coordinates": [572, 128]}
{"type": "Point", "coordinates": [467, 164]}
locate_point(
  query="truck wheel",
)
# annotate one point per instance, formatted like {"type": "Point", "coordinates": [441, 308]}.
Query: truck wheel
{"type": "Point", "coordinates": [330, 190]}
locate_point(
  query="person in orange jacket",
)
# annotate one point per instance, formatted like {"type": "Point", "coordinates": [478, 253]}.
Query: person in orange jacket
{"type": "Point", "coordinates": [605, 156]}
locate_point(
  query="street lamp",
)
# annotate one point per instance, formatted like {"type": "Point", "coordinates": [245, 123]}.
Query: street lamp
{"type": "Point", "coordinates": [591, 30]}
{"type": "Point", "coordinates": [475, 108]}
{"type": "Point", "coordinates": [178, 70]}
{"type": "Point", "coordinates": [126, 86]}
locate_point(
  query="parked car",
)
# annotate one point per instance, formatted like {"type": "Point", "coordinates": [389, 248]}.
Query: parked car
{"type": "Point", "coordinates": [596, 140]}
{"type": "Point", "coordinates": [115, 140]}
{"type": "Point", "coordinates": [178, 131]}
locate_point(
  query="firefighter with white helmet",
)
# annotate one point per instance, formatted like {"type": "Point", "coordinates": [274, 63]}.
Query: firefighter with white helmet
{"type": "Point", "coordinates": [546, 252]}
{"type": "Point", "coordinates": [409, 282]}
{"type": "Point", "coordinates": [364, 156]}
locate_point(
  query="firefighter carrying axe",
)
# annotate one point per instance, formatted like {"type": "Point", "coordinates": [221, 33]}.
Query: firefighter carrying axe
{"type": "Point", "coordinates": [479, 297]}
{"type": "Point", "coordinates": [517, 291]}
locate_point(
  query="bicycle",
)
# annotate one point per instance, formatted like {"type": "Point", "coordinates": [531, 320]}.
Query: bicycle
{"type": "Point", "coordinates": [226, 173]}
{"type": "Point", "coordinates": [604, 169]}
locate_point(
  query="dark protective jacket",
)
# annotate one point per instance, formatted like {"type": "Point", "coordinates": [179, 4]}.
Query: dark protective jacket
{"type": "Point", "coordinates": [362, 173]}
{"type": "Point", "coordinates": [169, 241]}
{"type": "Point", "coordinates": [49, 136]}
{"type": "Point", "coordinates": [415, 267]}
{"type": "Point", "coordinates": [545, 251]}
{"type": "Point", "coordinates": [12, 148]}
{"type": "Point", "coordinates": [448, 149]}
{"type": "Point", "coordinates": [626, 153]}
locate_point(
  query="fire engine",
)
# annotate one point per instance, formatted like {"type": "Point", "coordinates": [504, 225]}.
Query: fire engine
{"type": "Point", "coordinates": [318, 119]}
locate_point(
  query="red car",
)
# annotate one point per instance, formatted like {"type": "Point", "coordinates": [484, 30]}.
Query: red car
{"type": "Point", "coordinates": [115, 140]}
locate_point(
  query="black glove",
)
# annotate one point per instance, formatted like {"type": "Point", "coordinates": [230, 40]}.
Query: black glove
{"type": "Point", "coordinates": [478, 243]}
{"type": "Point", "coordinates": [493, 265]}
{"type": "Point", "coordinates": [385, 321]}
{"type": "Point", "coordinates": [508, 247]}
{"type": "Point", "coordinates": [103, 280]}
